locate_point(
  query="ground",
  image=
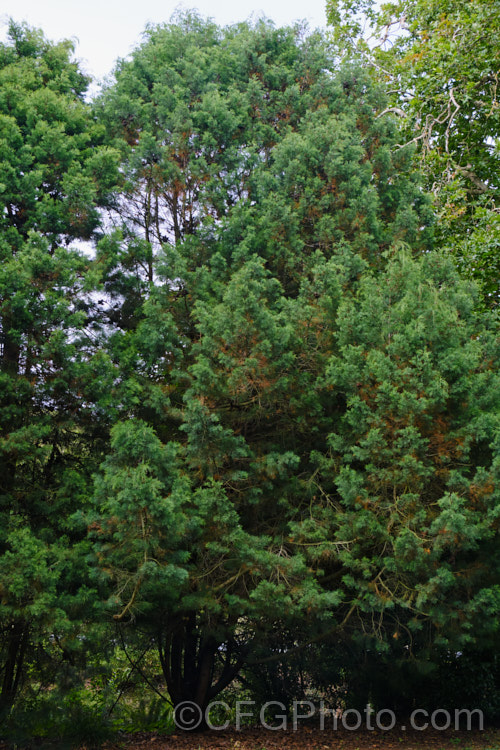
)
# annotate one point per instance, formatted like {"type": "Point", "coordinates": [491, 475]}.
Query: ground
{"type": "Point", "coordinates": [306, 738]}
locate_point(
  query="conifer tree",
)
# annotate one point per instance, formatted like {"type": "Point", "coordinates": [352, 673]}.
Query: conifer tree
{"type": "Point", "coordinates": [53, 176]}
{"type": "Point", "coordinates": [228, 506]}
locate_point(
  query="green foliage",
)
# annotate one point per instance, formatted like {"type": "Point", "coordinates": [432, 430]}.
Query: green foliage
{"type": "Point", "coordinates": [48, 151]}
{"type": "Point", "coordinates": [148, 714]}
{"type": "Point", "coordinates": [49, 159]}
{"type": "Point", "coordinates": [262, 423]}
{"type": "Point", "coordinates": [193, 111]}
{"type": "Point", "coordinates": [415, 451]}
{"type": "Point", "coordinates": [309, 413]}
{"type": "Point", "coordinates": [440, 60]}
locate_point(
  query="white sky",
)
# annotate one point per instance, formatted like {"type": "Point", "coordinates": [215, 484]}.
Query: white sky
{"type": "Point", "coordinates": [108, 29]}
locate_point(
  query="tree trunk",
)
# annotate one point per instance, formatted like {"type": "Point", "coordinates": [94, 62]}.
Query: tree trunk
{"type": "Point", "coordinates": [188, 659]}
{"type": "Point", "coordinates": [17, 641]}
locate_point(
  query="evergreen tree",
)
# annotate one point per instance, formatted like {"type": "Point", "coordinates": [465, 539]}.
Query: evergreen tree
{"type": "Point", "coordinates": [412, 463]}
{"type": "Point", "coordinates": [228, 506]}
{"type": "Point", "coordinates": [301, 396]}
{"type": "Point", "coordinates": [53, 175]}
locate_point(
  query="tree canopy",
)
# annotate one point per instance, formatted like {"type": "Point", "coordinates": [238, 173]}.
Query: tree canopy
{"type": "Point", "coordinates": [292, 451]}
{"type": "Point", "coordinates": [440, 62]}
{"type": "Point", "coordinates": [53, 173]}
{"type": "Point", "coordinates": [257, 415]}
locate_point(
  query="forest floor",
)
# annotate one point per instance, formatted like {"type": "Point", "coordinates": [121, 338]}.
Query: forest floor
{"type": "Point", "coordinates": [307, 738]}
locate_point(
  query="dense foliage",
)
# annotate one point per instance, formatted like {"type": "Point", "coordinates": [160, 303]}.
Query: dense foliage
{"type": "Point", "coordinates": [53, 174]}
{"type": "Point", "coordinates": [253, 427]}
{"type": "Point", "coordinates": [440, 63]}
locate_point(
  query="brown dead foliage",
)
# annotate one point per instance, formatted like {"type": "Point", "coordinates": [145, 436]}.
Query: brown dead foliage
{"type": "Point", "coordinates": [308, 738]}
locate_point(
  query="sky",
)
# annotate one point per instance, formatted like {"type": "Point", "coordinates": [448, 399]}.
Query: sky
{"type": "Point", "coordinates": [105, 30]}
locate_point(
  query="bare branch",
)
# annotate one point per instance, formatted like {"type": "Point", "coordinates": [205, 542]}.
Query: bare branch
{"type": "Point", "coordinates": [396, 110]}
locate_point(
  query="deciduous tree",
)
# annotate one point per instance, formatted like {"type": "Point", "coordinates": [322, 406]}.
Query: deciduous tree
{"type": "Point", "coordinates": [440, 61]}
